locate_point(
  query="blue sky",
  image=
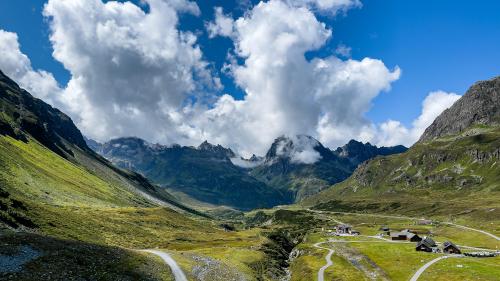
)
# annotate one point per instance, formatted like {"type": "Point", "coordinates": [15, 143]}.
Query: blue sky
{"type": "Point", "coordinates": [439, 45]}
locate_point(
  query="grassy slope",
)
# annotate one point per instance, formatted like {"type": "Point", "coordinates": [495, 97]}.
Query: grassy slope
{"type": "Point", "coordinates": [64, 201]}
{"type": "Point", "coordinates": [437, 178]}
{"type": "Point", "coordinates": [35, 173]}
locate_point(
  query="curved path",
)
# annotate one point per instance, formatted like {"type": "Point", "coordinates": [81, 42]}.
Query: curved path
{"type": "Point", "coordinates": [473, 229]}
{"type": "Point", "coordinates": [176, 270]}
{"type": "Point", "coordinates": [328, 258]}
{"type": "Point", "coordinates": [427, 265]}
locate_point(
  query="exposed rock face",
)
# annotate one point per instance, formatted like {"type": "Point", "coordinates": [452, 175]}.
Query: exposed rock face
{"type": "Point", "coordinates": [21, 112]}
{"type": "Point", "coordinates": [437, 169]}
{"type": "Point", "coordinates": [479, 106]}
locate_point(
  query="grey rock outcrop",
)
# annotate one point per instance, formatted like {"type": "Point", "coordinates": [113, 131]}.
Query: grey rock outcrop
{"type": "Point", "coordinates": [479, 106]}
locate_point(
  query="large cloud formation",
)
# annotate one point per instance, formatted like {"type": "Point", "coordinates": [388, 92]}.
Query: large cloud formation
{"type": "Point", "coordinates": [136, 73]}
{"type": "Point", "coordinates": [285, 93]}
{"type": "Point", "coordinates": [131, 71]}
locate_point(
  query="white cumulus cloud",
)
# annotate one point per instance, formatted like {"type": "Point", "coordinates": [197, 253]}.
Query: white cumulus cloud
{"type": "Point", "coordinates": [393, 132]}
{"type": "Point", "coordinates": [135, 73]}
{"type": "Point", "coordinates": [17, 66]}
{"type": "Point", "coordinates": [131, 71]}
{"type": "Point", "coordinates": [331, 6]}
{"type": "Point", "coordinates": [222, 25]}
{"type": "Point", "coordinates": [287, 94]}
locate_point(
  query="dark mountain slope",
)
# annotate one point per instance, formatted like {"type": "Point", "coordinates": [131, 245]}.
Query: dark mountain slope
{"type": "Point", "coordinates": [283, 168]}
{"type": "Point", "coordinates": [45, 160]}
{"type": "Point", "coordinates": [214, 174]}
{"type": "Point", "coordinates": [205, 173]}
{"type": "Point", "coordinates": [23, 115]}
{"type": "Point", "coordinates": [451, 170]}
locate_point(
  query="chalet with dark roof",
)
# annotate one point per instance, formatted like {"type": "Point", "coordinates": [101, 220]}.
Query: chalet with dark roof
{"type": "Point", "coordinates": [413, 237]}
{"type": "Point", "coordinates": [426, 245]}
{"type": "Point", "coordinates": [398, 235]}
{"type": "Point", "coordinates": [450, 248]}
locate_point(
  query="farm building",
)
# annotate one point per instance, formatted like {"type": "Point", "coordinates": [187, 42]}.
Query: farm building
{"type": "Point", "coordinates": [405, 235]}
{"type": "Point", "coordinates": [426, 245]}
{"type": "Point", "coordinates": [450, 248]}
{"type": "Point", "coordinates": [413, 237]}
{"type": "Point", "coordinates": [355, 232]}
{"type": "Point", "coordinates": [398, 235]}
{"type": "Point", "coordinates": [343, 229]}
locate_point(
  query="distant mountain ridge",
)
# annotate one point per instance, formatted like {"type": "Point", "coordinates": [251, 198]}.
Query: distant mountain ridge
{"type": "Point", "coordinates": [205, 173]}
{"type": "Point", "coordinates": [304, 166]}
{"type": "Point", "coordinates": [293, 168]}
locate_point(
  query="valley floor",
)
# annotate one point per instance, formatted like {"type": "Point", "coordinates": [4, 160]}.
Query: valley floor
{"type": "Point", "coordinates": [204, 251]}
{"type": "Point", "coordinates": [371, 257]}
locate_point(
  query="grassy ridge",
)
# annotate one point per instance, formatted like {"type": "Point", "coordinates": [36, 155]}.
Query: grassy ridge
{"type": "Point", "coordinates": [454, 177]}
{"type": "Point", "coordinates": [58, 259]}
{"type": "Point", "coordinates": [35, 173]}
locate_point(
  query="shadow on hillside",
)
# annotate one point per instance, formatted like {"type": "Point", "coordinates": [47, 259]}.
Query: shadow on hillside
{"type": "Point", "coordinates": [27, 256]}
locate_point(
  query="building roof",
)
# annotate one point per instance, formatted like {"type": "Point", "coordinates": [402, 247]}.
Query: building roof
{"type": "Point", "coordinates": [448, 244]}
{"type": "Point", "coordinates": [343, 226]}
{"type": "Point", "coordinates": [397, 234]}
{"type": "Point", "coordinates": [411, 235]}
{"type": "Point", "coordinates": [426, 242]}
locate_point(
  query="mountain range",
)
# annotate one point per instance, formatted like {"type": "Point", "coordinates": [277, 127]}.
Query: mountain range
{"type": "Point", "coordinates": [292, 169]}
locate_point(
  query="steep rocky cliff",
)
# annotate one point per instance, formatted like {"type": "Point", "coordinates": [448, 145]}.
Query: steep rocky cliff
{"type": "Point", "coordinates": [479, 106]}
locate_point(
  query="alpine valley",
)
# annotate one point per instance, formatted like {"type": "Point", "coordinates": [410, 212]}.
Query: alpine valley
{"type": "Point", "coordinates": [216, 175]}
{"type": "Point", "coordinates": [75, 209]}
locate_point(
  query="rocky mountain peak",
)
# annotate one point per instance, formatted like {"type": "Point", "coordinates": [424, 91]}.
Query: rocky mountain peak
{"type": "Point", "coordinates": [479, 106]}
{"type": "Point", "coordinates": [298, 148]}
{"type": "Point", "coordinates": [218, 149]}
{"type": "Point", "coordinates": [358, 152]}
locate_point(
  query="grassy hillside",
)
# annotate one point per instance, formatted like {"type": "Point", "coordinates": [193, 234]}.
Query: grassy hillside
{"type": "Point", "coordinates": [452, 176]}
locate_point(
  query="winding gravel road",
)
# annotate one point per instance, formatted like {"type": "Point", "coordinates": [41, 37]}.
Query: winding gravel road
{"type": "Point", "coordinates": [176, 270]}
{"type": "Point", "coordinates": [328, 258]}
